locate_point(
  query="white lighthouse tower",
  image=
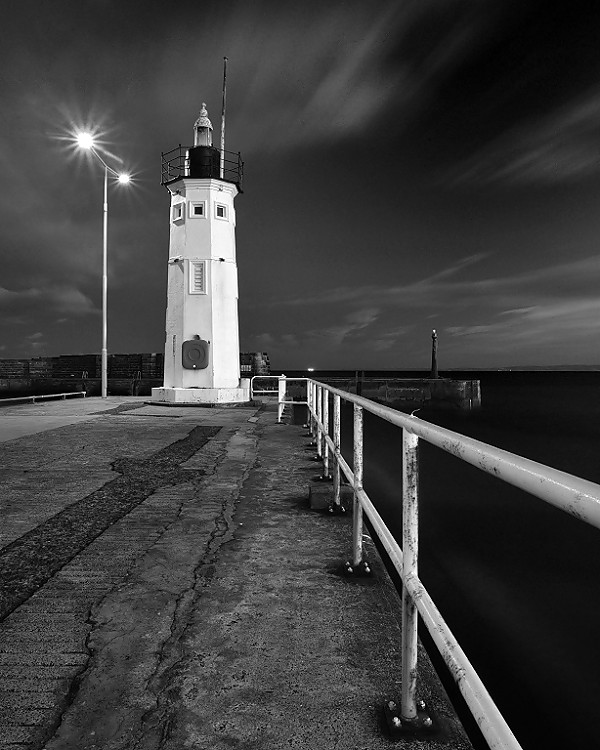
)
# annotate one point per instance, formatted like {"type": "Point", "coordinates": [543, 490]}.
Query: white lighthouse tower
{"type": "Point", "coordinates": [202, 352]}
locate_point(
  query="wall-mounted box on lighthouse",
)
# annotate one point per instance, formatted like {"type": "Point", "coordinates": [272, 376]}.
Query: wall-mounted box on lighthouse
{"type": "Point", "coordinates": [202, 352]}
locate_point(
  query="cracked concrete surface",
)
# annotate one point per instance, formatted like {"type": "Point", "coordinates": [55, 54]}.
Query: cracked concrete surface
{"type": "Point", "coordinates": [28, 562]}
{"type": "Point", "coordinates": [212, 616]}
{"type": "Point", "coordinates": [43, 642]}
{"type": "Point", "coordinates": [136, 627]}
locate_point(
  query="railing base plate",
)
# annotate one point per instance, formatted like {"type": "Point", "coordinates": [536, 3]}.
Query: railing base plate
{"type": "Point", "coordinates": [337, 509]}
{"type": "Point", "coordinates": [358, 571]}
{"type": "Point", "coordinates": [424, 725]}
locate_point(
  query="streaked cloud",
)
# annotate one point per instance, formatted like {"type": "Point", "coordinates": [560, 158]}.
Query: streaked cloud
{"type": "Point", "coordinates": [418, 84]}
{"type": "Point", "coordinates": [354, 322]}
{"type": "Point", "coordinates": [355, 329]}
{"type": "Point", "coordinates": [551, 333]}
{"type": "Point", "coordinates": [561, 146]}
{"type": "Point", "coordinates": [55, 300]}
{"type": "Point", "coordinates": [315, 74]}
{"type": "Point", "coordinates": [284, 97]}
{"type": "Point", "coordinates": [554, 306]}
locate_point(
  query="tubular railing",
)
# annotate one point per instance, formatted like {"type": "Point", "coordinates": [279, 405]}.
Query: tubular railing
{"type": "Point", "coordinates": [33, 399]}
{"type": "Point", "coordinates": [279, 388]}
{"type": "Point", "coordinates": [176, 164]}
{"type": "Point", "coordinates": [571, 494]}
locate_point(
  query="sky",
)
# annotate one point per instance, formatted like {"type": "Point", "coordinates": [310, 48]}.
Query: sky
{"type": "Point", "coordinates": [409, 165]}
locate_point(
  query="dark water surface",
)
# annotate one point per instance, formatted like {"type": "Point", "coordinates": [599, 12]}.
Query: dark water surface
{"type": "Point", "coordinates": [516, 579]}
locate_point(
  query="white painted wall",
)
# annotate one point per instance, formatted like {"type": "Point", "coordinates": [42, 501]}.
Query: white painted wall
{"type": "Point", "coordinates": [212, 316]}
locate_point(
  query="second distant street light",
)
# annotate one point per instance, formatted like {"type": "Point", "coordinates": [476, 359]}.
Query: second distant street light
{"type": "Point", "coordinates": [86, 141]}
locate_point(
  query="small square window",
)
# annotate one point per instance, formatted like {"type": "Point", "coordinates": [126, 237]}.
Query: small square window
{"type": "Point", "coordinates": [221, 211]}
{"type": "Point", "coordinates": [197, 208]}
{"type": "Point", "coordinates": [177, 212]}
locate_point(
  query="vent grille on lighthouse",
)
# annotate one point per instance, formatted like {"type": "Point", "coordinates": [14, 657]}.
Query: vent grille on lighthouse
{"type": "Point", "coordinates": [198, 277]}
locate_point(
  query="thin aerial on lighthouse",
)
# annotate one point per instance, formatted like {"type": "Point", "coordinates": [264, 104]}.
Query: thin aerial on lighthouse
{"type": "Point", "coordinates": [202, 353]}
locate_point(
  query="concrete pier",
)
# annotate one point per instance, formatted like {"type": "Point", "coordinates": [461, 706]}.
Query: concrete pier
{"type": "Point", "coordinates": [164, 584]}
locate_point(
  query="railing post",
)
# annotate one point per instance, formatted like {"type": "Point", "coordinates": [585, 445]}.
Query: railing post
{"type": "Point", "coordinates": [313, 410]}
{"type": "Point", "coordinates": [325, 412]}
{"type": "Point", "coordinates": [410, 554]}
{"type": "Point", "coordinates": [319, 418]}
{"type": "Point", "coordinates": [357, 517]}
{"type": "Point", "coordinates": [281, 384]}
{"type": "Point", "coordinates": [337, 423]}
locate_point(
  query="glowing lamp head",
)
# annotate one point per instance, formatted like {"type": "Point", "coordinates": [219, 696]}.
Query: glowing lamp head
{"type": "Point", "coordinates": [85, 140]}
{"type": "Point", "coordinates": [124, 178]}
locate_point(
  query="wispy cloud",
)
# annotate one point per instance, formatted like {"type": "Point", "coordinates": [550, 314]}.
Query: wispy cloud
{"type": "Point", "coordinates": [562, 330]}
{"type": "Point", "coordinates": [354, 322]}
{"type": "Point", "coordinates": [356, 329]}
{"type": "Point", "coordinates": [448, 289]}
{"type": "Point", "coordinates": [55, 300]}
{"type": "Point", "coordinates": [317, 76]}
{"type": "Point", "coordinates": [555, 306]}
{"type": "Point", "coordinates": [561, 146]}
{"type": "Point", "coordinates": [419, 292]}
{"type": "Point", "coordinates": [284, 96]}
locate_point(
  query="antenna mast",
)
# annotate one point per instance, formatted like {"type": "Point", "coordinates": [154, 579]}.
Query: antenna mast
{"type": "Point", "coordinates": [223, 117]}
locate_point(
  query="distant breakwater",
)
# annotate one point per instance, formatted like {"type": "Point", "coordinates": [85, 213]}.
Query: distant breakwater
{"type": "Point", "coordinates": [407, 393]}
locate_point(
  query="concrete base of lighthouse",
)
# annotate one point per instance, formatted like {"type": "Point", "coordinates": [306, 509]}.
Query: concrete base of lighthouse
{"type": "Point", "coordinates": [202, 396]}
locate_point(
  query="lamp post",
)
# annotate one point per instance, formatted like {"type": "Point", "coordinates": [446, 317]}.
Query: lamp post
{"type": "Point", "coordinates": [86, 141]}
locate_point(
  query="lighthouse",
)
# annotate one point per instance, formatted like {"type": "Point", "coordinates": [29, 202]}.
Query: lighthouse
{"type": "Point", "coordinates": [202, 353]}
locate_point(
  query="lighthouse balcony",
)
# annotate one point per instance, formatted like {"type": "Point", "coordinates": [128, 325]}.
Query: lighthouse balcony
{"type": "Point", "coordinates": [201, 162]}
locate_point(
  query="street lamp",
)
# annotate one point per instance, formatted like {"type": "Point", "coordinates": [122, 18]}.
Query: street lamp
{"type": "Point", "coordinates": [86, 141]}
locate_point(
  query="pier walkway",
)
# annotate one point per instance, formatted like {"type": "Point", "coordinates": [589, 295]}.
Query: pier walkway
{"type": "Point", "coordinates": [164, 585]}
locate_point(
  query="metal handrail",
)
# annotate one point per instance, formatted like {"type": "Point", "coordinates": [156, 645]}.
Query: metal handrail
{"type": "Point", "coordinates": [282, 381]}
{"type": "Point", "coordinates": [579, 497]}
{"type": "Point", "coordinates": [33, 399]}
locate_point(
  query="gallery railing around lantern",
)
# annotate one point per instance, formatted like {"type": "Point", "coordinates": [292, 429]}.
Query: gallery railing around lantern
{"type": "Point", "coordinates": [176, 164]}
{"type": "Point", "coordinates": [571, 494]}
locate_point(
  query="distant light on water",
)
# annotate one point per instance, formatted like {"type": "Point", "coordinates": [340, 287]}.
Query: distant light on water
{"type": "Point", "coordinates": [311, 369]}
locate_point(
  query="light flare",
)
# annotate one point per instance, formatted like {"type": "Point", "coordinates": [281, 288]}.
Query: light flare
{"type": "Point", "coordinates": [85, 140]}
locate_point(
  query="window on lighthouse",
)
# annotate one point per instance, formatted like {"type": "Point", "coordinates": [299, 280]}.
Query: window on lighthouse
{"type": "Point", "coordinates": [221, 211]}
{"type": "Point", "coordinates": [177, 212]}
{"type": "Point", "coordinates": [197, 208]}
